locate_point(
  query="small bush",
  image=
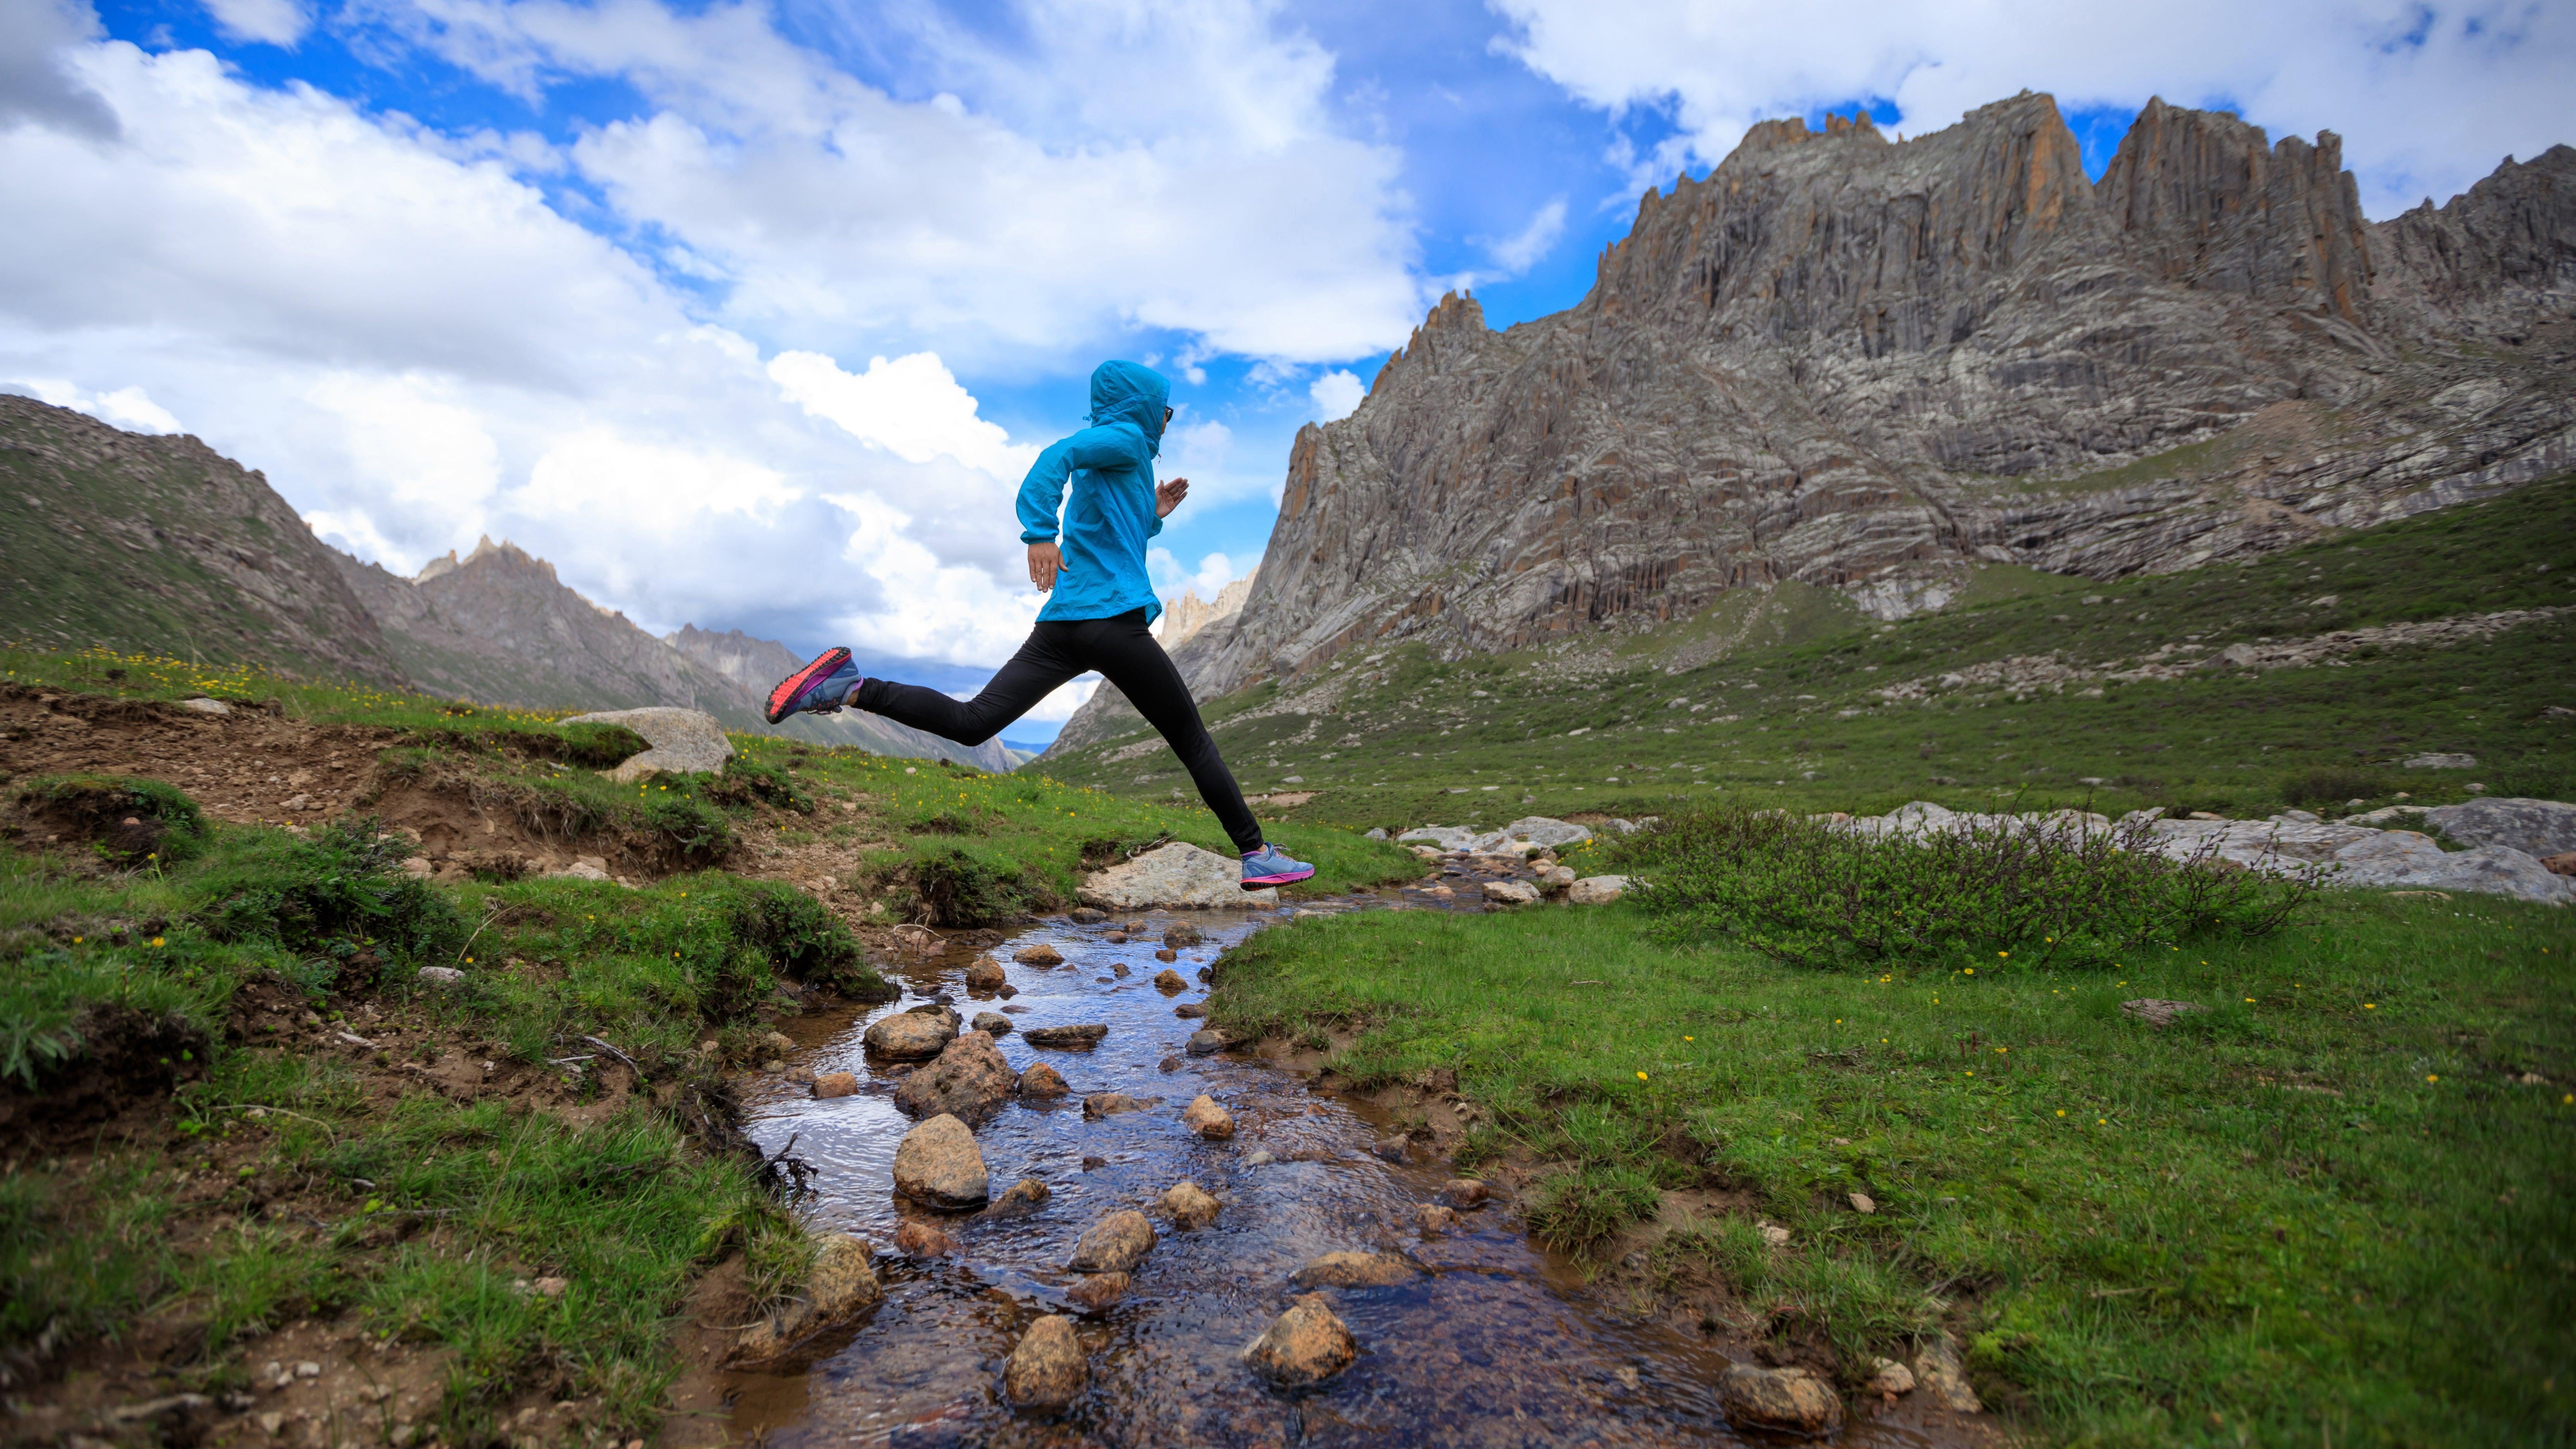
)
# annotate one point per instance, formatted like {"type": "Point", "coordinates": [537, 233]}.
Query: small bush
{"type": "Point", "coordinates": [1805, 892]}
{"type": "Point", "coordinates": [1582, 1210]}
{"type": "Point", "coordinates": [956, 885]}
{"type": "Point", "coordinates": [745, 781]}
{"type": "Point", "coordinates": [167, 825]}
{"type": "Point", "coordinates": [337, 893]}
{"type": "Point", "coordinates": [2333, 785]}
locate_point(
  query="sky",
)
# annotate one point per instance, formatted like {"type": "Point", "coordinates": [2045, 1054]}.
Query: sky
{"type": "Point", "coordinates": [752, 315]}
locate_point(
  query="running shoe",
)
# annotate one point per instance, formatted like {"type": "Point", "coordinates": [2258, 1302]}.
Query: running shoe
{"type": "Point", "coordinates": [1271, 866]}
{"type": "Point", "coordinates": [797, 690]}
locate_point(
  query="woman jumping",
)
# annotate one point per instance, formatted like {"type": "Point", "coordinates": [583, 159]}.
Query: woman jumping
{"type": "Point", "coordinates": [1098, 620]}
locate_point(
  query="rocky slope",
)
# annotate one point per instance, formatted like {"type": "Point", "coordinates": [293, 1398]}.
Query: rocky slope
{"type": "Point", "coordinates": [753, 665]}
{"type": "Point", "coordinates": [1876, 366]}
{"type": "Point", "coordinates": [161, 545]}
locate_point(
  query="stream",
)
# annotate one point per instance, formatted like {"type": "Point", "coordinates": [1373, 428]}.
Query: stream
{"type": "Point", "coordinates": [1500, 1343]}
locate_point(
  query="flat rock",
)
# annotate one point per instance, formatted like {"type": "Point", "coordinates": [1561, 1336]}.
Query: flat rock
{"type": "Point", "coordinates": [1356, 1270]}
{"type": "Point", "coordinates": [1597, 890]}
{"type": "Point", "coordinates": [993, 1023]}
{"type": "Point", "coordinates": [1190, 1010]}
{"type": "Point", "coordinates": [1098, 1292]}
{"type": "Point", "coordinates": [1206, 1043]}
{"type": "Point", "coordinates": [1305, 1345]}
{"type": "Point", "coordinates": [842, 1282]}
{"type": "Point", "coordinates": [1188, 1206]}
{"type": "Point", "coordinates": [2439, 760]}
{"type": "Point", "coordinates": [440, 978]}
{"type": "Point", "coordinates": [1065, 1036]}
{"type": "Point", "coordinates": [684, 741]}
{"type": "Point", "coordinates": [203, 705]}
{"type": "Point", "coordinates": [1020, 1199]}
{"type": "Point", "coordinates": [984, 974]}
{"type": "Point", "coordinates": [1204, 1117]}
{"type": "Point", "coordinates": [921, 1240]}
{"type": "Point", "coordinates": [1043, 1082]}
{"type": "Point", "coordinates": [1510, 892]}
{"type": "Point", "coordinates": [1115, 1244]}
{"type": "Point", "coordinates": [938, 1165]}
{"type": "Point", "coordinates": [1047, 1371]}
{"type": "Point", "coordinates": [1790, 1400]}
{"type": "Point", "coordinates": [2403, 858]}
{"type": "Point", "coordinates": [2159, 1013]}
{"type": "Point", "coordinates": [2534, 827]}
{"type": "Point", "coordinates": [970, 1081]}
{"type": "Point", "coordinates": [1178, 876]}
{"type": "Point", "coordinates": [836, 1084]}
{"type": "Point", "coordinates": [1040, 954]}
{"type": "Point", "coordinates": [909, 1035]}
{"type": "Point", "coordinates": [1111, 1104]}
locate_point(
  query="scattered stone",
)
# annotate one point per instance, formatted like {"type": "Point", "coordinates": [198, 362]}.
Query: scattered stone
{"type": "Point", "coordinates": [203, 705]}
{"type": "Point", "coordinates": [1116, 938]}
{"type": "Point", "coordinates": [2159, 1013]}
{"type": "Point", "coordinates": [1110, 1104]}
{"type": "Point", "coordinates": [586, 869]}
{"type": "Point", "coordinates": [1863, 1203]}
{"type": "Point", "coordinates": [970, 1082]}
{"type": "Point", "coordinates": [1435, 1220]}
{"type": "Point", "coordinates": [842, 1282]}
{"type": "Point", "coordinates": [1787, 1399]}
{"type": "Point", "coordinates": [1189, 1207]}
{"type": "Point", "coordinates": [1167, 954]}
{"type": "Point", "coordinates": [1597, 890]}
{"type": "Point", "coordinates": [1888, 1377]}
{"type": "Point", "coordinates": [1047, 1372]}
{"type": "Point", "coordinates": [909, 1035]}
{"type": "Point", "coordinates": [551, 1287]}
{"type": "Point", "coordinates": [1096, 1293]}
{"type": "Point", "coordinates": [1115, 1244]}
{"type": "Point", "coordinates": [441, 978]}
{"type": "Point", "coordinates": [1168, 981]}
{"type": "Point", "coordinates": [1937, 1369]}
{"type": "Point", "coordinates": [1040, 954]}
{"type": "Point", "coordinates": [921, 1240]}
{"type": "Point", "coordinates": [985, 974]}
{"type": "Point", "coordinates": [1178, 876]}
{"type": "Point", "coordinates": [1191, 1010]}
{"type": "Point", "coordinates": [1016, 1010]}
{"type": "Point", "coordinates": [1043, 1082]}
{"type": "Point", "coordinates": [1206, 1043]}
{"type": "Point", "coordinates": [2433, 760]}
{"type": "Point", "coordinates": [1305, 1345]}
{"type": "Point", "coordinates": [1356, 1270]}
{"type": "Point", "coordinates": [1204, 1117]}
{"type": "Point", "coordinates": [938, 1165]}
{"type": "Point", "coordinates": [1170, 1064]}
{"type": "Point", "coordinates": [1086, 916]}
{"type": "Point", "coordinates": [993, 1023]}
{"type": "Point", "coordinates": [1182, 934]}
{"type": "Point", "coordinates": [1118, 968]}
{"type": "Point", "coordinates": [1773, 1234]}
{"type": "Point", "coordinates": [1392, 1149]}
{"type": "Point", "coordinates": [1020, 1199]}
{"type": "Point", "coordinates": [1465, 1192]}
{"type": "Point", "coordinates": [836, 1084]}
{"type": "Point", "coordinates": [1260, 1158]}
{"type": "Point", "coordinates": [684, 741]}
{"type": "Point", "coordinates": [1065, 1036]}
{"type": "Point", "coordinates": [1510, 892]}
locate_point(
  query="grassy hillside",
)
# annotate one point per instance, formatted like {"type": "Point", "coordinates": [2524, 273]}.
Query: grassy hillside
{"type": "Point", "coordinates": [1792, 711]}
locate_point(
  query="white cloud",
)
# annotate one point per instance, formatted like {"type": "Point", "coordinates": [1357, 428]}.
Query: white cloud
{"type": "Point", "coordinates": [128, 407]}
{"type": "Point", "coordinates": [1214, 572]}
{"type": "Point", "coordinates": [1058, 707]}
{"type": "Point", "coordinates": [1337, 394]}
{"type": "Point", "coordinates": [1518, 253]}
{"type": "Point", "coordinates": [912, 406]}
{"type": "Point", "coordinates": [2426, 95]}
{"type": "Point", "coordinates": [273, 22]}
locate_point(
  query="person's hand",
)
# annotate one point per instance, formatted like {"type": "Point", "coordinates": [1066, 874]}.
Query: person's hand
{"type": "Point", "coordinates": [1168, 496]}
{"type": "Point", "coordinates": [1045, 562]}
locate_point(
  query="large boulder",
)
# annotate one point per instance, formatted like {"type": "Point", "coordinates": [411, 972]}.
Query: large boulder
{"type": "Point", "coordinates": [970, 1082]}
{"type": "Point", "coordinates": [938, 1165]}
{"type": "Point", "coordinates": [2534, 827]}
{"type": "Point", "coordinates": [684, 741]}
{"type": "Point", "coordinates": [1304, 1345]}
{"type": "Point", "coordinates": [2405, 858]}
{"type": "Point", "coordinates": [910, 1035]}
{"type": "Point", "coordinates": [1790, 1400]}
{"type": "Point", "coordinates": [1178, 876]}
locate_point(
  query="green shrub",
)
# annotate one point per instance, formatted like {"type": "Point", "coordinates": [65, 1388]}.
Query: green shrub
{"type": "Point", "coordinates": [2032, 892]}
{"type": "Point", "coordinates": [167, 826]}
{"type": "Point", "coordinates": [745, 781]}
{"type": "Point", "coordinates": [955, 885]}
{"type": "Point", "coordinates": [336, 893]}
{"type": "Point", "coordinates": [1581, 1210]}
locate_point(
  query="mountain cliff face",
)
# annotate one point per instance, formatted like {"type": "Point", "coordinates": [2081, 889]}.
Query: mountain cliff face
{"type": "Point", "coordinates": [754, 665]}
{"type": "Point", "coordinates": [161, 545]}
{"type": "Point", "coordinates": [1877, 366]}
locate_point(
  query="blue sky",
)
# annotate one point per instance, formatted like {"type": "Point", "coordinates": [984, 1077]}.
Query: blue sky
{"type": "Point", "coordinates": [749, 316]}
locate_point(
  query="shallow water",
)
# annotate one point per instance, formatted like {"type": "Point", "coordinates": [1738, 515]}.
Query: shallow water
{"type": "Point", "coordinates": [1497, 1344]}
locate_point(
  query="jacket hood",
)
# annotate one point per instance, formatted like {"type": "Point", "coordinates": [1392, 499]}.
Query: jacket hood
{"type": "Point", "coordinates": [1130, 392]}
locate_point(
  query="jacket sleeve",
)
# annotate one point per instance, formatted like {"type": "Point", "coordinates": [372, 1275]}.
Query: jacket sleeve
{"type": "Point", "coordinates": [1107, 450]}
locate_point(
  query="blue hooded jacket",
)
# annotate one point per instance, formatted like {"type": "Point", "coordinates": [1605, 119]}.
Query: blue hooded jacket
{"type": "Point", "coordinates": [1111, 467]}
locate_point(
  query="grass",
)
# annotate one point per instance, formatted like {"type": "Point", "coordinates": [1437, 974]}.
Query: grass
{"type": "Point", "coordinates": [1793, 716]}
{"type": "Point", "coordinates": [2340, 1202]}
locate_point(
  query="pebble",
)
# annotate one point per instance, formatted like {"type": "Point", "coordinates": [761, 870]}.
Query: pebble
{"type": "Point", "coordinates": [1204, 1117]}
{"type": "Point", "coordinates": [1170, 1064]}
{"type": "Point", "coordinates": [1863, 1203]}
{"type": "Point", "coordinates": [1305, 1345]}
{"type": "Point", "coordinates": [1787, 1399]}
{"type": "Point", "coordinates": [1047, 1371]}
{"type": "Point", "coordinates": [1190, 1010]}
{"type": "Point", "coordinates": [1118, 968]}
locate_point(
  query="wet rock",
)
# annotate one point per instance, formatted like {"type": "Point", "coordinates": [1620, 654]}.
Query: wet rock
{"type": "Point", "coordinates": [1006, 991]}
{"type": "Point", "coordinates": [1098, 1292]}
{"type": "Point", "coordinates": [1260, 1158]}
{"type": "Point", "coordinates": [1182, 934]}
{"type": "Point", "coordinates": [1790, 1400]}
{"type": "Point", "coordinates": [1116, 938]}
{"type": "Point", "coordinates": [1305, 1345]}
{"type": "Point", "coordinates": [1017, 1010]}
{"type": "Point", "coordinates": [984, 975]}
{"type": "Point", "coordinates": [1020, 1199]}
{"type": "Point", "coordinates": [970, 1081]}
{"type": "Point", "coordinates": [1597, 890]}
{"type": "Point", "coordinates": [909, 1035]}
{"type": "Point", "coordinates": [684, 741]}
{"type": "Point", "coordinates": [440, 978]}
{"type": "Point", "coordinates": [1086, 916]}
{"type": "Point", "coordinates": [776, 1331]}
{"type": "Point", "coordinates": [842, 1283]}
{"type": "Point", "coordinates": [1937, 1369]}
{"type": "Point", "coordinates": [993, 1023]}
{"type": "Point", "coordinates": [1115, 1244]}
{"type": "Point", "coordinates": [921, 1240]}
{"type": "Point", "coordinates": [1167, 954]}
{"type": "Point", "coordinates": [1204, 1117]}
{"type": "Point", "coordinates": [1047, 1372]}
{"type": "Point", "coordinates": [1174, 876]}
{"type": "Point", "coordinates": [1190, 1010]}
{"type": "Point", "coordinates": [1093, 1163]}
{"type": "Point", "coordinates": [1188, 1206]}
{"type": "Point", "coordinates": [1510, 892]}
{"type": "Point", "coordinates": [938, 1165]}
{"type": "Point", "coordinates": [1110, 1104]}
{"type": "Point", "coordinates": [1168, 981]}
{"type": "Point", "coordinates": [1170, 1064]}
{"type": "Point", "coordinates": [1435, 1220]}
{"type": "Point", "coordinates": [1040, 954]}
{"type": "Point", "coordinates": [1065, 1036]}
{"type": "Point", "coordinates": [2159, 1013]}
{"type": "Point", "coordinates": [1888, 1377]}
{"type": "Point", "coordinates": [1206, 1043]}
{"type": "Point", "coordinates": [1356, 1270]}
{"type": "Point", "coordinates": [1117, 968]}
{"type": "Point", "coordinates": [1391, 1149]}
{"type": "Point", "coordinates": [836, 1084]}
{"type": "Point", "coordinates": [1042, 1082]}
{"type": "Point", "coordinates": [1465, 1192]}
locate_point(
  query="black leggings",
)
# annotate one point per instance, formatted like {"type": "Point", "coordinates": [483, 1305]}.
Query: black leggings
{"type": "Point", "coordinates": [1058, 649]}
